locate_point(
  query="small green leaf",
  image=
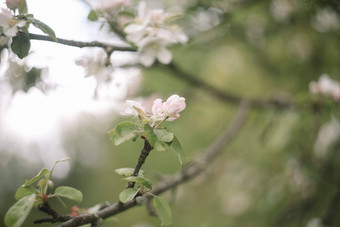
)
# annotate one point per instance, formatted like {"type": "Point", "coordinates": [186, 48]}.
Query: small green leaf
{"type": "Point", "coordinates": [70, 193]}
{"type": "Point", "coordinates": [161, 146]}
{"type": "Point", "coordinates": [17, 214]}
{"type": "Point", "coordinates": [126, 172]}
{"type": "Point", "coordinates": [22, 7]}
{"type": "Point", "coordinates": [36, 177]}
{"type": "Point", "coordinates": [123, 132]}
{"type": "Point", "coordinates": [164, 135]}
{"type": "Point", "coordinates": [163, 210]}
{"type": "Point", "coordinates": [21, 44]}
{"type": "Point", "coordinates": [128, 194]}
{"type": "Point", "coordinates": [44, 28]}
{"type": "Point", "coordinates": [177, 148]}
{"type": "Point", "coordinates": [92, 16]}
{"type": "Point", "coordinates": [24, 191]}
{"type": "Point", "coordinates": [140, 181]}
{"type": "Point", "coordinates": [150, 135]}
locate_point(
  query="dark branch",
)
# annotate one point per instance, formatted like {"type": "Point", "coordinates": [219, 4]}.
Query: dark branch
{"type": "Point", "coordinates": [223, 95]}
{"type": "Point", "coordinates": [142, 157]}
{"type": "Point", "coordinates": [105, 46]}
{"type": "Point", "coordinates": [56, 217]}
{"type": "Point", "coordinates": [186, 174]}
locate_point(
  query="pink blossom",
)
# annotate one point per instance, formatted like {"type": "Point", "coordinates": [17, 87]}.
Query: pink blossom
{"type": "Point", "coordinates": [174, 105]}
{"type": "Point", "coordinates": [12, 4]}
{"type": "Point", "coordinates": [160, 111]}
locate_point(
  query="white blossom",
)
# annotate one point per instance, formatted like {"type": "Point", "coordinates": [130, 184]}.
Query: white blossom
{"type": "Point", "coordinates": [326, 86]}
{"type": "Point", "coordinates": [152, 34]}
{"type": "Point", "coordinates": [10, 25]}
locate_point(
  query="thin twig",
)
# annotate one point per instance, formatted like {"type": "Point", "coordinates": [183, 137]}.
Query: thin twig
{"type": "Point", "coordinates": [142, 157]}
{"type": "Point", "coordinates": [186, 174]}
{"type": "Point", "coordinates": [80, 44]}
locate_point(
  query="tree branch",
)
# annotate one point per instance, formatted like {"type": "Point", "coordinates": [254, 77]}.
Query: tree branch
{"type": "Point", "coordinates": [223, 95]}
{"type": "Point", "coordinates": [188, 173]}
{"type": "Point", "coordinates": [142, 157]}
{"type": "Point", "coordinates": [56, 217]}
{"type": "Point", "coordinates": [80, 44]}
{"type": "Point", "coordinates": [181, 74]}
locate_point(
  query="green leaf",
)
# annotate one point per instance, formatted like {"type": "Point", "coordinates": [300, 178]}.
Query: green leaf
{"type": "Point", "coordinates": [36, 177]}
{"type": "Point", "coordinates": [70, 193]}
{"type": "Point", "coordinates": [21, 44]}
{"type": "Point", "coordinates": [164, 135]}
{"type": "Point", "coordinates": [17, 214]}
{"type": "Point", "coordinates": [128, 194]}
{"type": "Point", "coordinates": [127, 172]}
{"type": "Point", "coordinates": [24, 191]}
{"type": "Point", "coordinates": [177, 148]}
{"type": "Point", "coordinates": [22, 7]}
{"type": "Point", "coordinates": [150, 135]}
{"type": "Point", "coordinates": [123, 132]}
{"type": "Point", "coordinates": [44, 28]}
{"type": "Point", "coordinates": [161, 146]}
{"type": "Point", "coordinates": [92, 16]}
{"type": "Point", "coordinates": [163, 210]}
{"type": "Point", "coordinates": [140, 181]}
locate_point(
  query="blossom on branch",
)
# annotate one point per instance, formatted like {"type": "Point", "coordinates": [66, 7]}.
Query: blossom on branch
{"type": "Point", "coordinates": [152, 33]}
{"type": "Point", "coordinates": [160, 111]}
{"type": "Point", "coordinates": [9, 24]}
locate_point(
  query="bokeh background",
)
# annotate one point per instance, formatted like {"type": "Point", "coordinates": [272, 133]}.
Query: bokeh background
{"type": "Point", "coordinates": [281, 170]}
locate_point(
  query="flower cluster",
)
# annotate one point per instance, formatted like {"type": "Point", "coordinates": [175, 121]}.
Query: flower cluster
{"type": "Point", "coordinates": [152, 34]}
{"type": "Point", "coordinates": [326, 86]}
{"type": "Point", "coordinates": [160, 111]}
{"type": "Point", "coordinates": [9, 25]}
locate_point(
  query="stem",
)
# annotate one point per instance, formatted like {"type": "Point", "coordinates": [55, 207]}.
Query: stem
{"type": "Point", "coordinates": [143, 155]}
{"type": "Point", "coordinates": [56, 217]}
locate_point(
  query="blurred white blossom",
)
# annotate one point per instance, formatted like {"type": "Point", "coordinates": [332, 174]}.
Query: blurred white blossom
{"type": "Point", "coordinates": [325, 86]}
{"type": "Point", "coordinates": [328, 134]}
{"type": "Point", "coordinates": [281, 9]}
{"type": "Point", "coordinates": [152, 33]}
{"type": "Point", "coordinates": [326, 20]}
{"type": "Point", "coordinates": [315, 222]}
{"type": "Point", "coordinates": [112, 5]}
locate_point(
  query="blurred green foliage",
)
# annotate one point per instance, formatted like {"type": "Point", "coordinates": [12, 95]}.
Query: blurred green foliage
{"type": "Point", "coordinates": [270, 175]}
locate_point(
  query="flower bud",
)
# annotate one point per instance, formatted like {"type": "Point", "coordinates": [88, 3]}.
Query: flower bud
{"type": "Point", "coordinates": [174, 104]}
{"type": "Point", "coordinates": [12, 4]}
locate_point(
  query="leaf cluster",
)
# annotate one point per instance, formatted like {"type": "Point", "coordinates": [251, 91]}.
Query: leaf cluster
{"type": "Point", "coordinates": [29, 195]}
